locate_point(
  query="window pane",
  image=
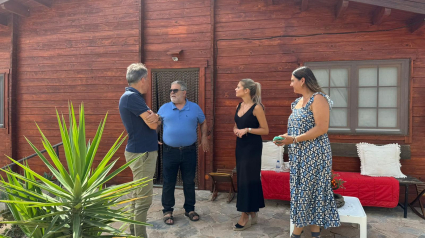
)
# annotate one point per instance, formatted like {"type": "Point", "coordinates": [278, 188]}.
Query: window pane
{"type": "Point", "coordinates": [1, 100]}
{"type": "Point", "coordinates": [367, 118]}
{"type": "Point", "coordinates": [322, 76]}
{"type": "Point", "coordinates": [388, 97]}
{"type": "Point", "coordinates": [368, 77]}
{"type": "Point", "coordinates": [338, 117]}
{"type": "Point", "coordinates": [339, 96]}
{"type": "Point", "coordinates": [388, 76]}
{"type": "Point", "coordinates": [368, 97]}
{"type": "Point", "coordinates": [326, 90]}
{"type": "Point", "coordinates": [387, 118]}
{"type": "Point", "coordinates": [339, 77]}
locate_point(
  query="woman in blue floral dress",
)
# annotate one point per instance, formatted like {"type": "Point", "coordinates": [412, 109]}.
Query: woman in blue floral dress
{"type": "Point", "coordinates": [310, 156]}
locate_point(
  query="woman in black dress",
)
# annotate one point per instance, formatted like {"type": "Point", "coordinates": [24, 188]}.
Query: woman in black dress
{"type": "Point", "coordinates": [250, 125]}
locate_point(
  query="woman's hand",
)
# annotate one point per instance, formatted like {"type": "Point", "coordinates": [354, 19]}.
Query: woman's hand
{"type": "Point", "coordinates": [240, 132]}
{"type": "Point", "coordinates": [288, 140]}
{"type": "Point", "coordinates": [235, 130]}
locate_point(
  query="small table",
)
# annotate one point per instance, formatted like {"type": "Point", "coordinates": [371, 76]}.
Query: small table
{"type": "Point", "coordinates": [351, 212]}
{"type": "Point", "coordinates": [406, 182]}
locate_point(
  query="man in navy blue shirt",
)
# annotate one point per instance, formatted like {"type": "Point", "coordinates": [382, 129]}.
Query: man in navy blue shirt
{"type": "Point", "coordinates": [180, 118]}
{"type": "Point", "coordinates": [140, 123]}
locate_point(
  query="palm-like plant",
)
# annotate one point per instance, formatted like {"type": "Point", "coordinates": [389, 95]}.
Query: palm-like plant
{"type": "Point", "coordinates": [81, 205]}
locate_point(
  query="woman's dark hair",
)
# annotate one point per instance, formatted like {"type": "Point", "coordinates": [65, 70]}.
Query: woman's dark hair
{"type": "Point", "coordinates": [310, 80]}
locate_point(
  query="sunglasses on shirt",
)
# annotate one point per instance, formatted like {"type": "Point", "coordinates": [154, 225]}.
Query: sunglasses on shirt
{"type": "Point", "coordinates": [175, 90]}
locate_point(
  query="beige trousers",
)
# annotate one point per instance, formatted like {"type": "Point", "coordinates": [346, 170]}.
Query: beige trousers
{"type": "Point", "coordinates": [141, 168]}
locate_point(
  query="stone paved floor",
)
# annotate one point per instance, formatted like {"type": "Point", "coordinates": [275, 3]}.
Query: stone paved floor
{"type": "Point", "coordinates": [218, 217]}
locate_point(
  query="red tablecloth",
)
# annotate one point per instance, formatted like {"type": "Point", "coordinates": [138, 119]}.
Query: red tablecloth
{"type": "Point", "coordinates": [371, 191]}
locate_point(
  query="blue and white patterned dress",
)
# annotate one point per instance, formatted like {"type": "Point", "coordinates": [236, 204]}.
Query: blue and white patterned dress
{"type": "Point", "coordinates": [312, 201]}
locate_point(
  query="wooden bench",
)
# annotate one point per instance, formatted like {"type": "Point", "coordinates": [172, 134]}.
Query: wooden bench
{"type": "Point", "coordinates": [350, 150]}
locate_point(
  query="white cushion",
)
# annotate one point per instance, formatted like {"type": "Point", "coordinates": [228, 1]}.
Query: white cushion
{"type": "Point", "coordinates": [380, 161]}
{"type": "Point", "coordinates": [271, 153]}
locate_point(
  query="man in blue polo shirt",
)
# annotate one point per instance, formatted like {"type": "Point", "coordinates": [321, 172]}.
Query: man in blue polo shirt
{"type": "Point", "coordinates": [140, 123]}
{"type": "Point", "coordinates": [180, 118]}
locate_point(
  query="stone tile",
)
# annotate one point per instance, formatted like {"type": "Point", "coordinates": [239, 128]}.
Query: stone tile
{"type": "Point", "coordinates": [218, 217]}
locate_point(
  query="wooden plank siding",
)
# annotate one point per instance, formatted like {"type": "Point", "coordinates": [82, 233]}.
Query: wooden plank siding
{"type": "Point", "coordinates": [271, 61]}
{"type": "Point", "coordinates": [182, 25]}
{"type": "Point", "coordinates": [78, 50]}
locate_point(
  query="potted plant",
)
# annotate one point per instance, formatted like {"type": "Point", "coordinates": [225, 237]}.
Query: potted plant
{"type": "Point", "coordinates": [79, 204]}
{"type": "Point", "coordinates": [337, 183]}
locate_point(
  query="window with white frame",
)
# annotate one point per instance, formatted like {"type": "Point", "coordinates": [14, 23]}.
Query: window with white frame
{"type": "Point", "coordinates": [368, 96]}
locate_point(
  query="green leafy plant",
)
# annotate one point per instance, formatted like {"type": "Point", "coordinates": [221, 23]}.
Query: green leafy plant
{"type": "Point", "coordinates": [48, 176]}
{"type": "Point", "coordinates": [336, 182]}
{"type": "Point", "coordinates": [81, 205]}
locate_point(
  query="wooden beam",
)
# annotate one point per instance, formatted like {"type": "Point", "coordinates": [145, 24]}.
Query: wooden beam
{"type": "Point", "coordinates": [46, 3]}
{"type": "Point", "coordinates": [417, 6]}
{"type": "Point", "coordinates": [304, 5]}
{"type": "Point", "coordinates": [13, 82]}
{"type": "Point", "coordinates": [3, 20]}
{"type": "Point", "coordinates": [417, 23]}
{"type": "Point", "coordinates": [341, 7]}
{"type": "Point", "coordinates": [15, 7]}
{"type": "Point", "coordinates": [380, 14]}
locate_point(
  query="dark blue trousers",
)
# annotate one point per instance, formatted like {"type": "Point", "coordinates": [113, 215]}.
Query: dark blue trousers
{"type": "Point", "coordinates": [173, 159]}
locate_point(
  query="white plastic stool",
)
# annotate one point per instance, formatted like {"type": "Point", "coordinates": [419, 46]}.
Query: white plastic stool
{"type": "Point", "coordinates": [351, 212]}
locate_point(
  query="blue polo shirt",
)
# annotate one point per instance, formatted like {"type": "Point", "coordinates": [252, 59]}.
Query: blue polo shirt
{"type": "Point", "coordinates": [141, 138]}
{"type": "Point", "coordinates": [180, 125]}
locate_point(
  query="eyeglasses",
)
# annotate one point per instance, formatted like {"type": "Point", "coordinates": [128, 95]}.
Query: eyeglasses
{"type": "Point", "coordinates": [175, 90]}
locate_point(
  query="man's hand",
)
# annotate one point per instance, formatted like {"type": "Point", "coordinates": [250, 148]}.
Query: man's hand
{"type": "Point", "coordinates": [205, 144]}
{"type": "Point", "coordinates": [152, 118]}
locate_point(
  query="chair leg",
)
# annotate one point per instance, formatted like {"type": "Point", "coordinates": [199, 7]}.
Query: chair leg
{"type": "Point", "coordinates": [214, 191]}
{"type": "Point", "coordinates": [231, 192]}
{"type": "Point", "coordinates": [363, 228]}
{"type": "Point", "coordinates": [412, 205]}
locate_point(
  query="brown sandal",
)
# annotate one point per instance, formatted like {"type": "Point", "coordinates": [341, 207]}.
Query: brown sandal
{"type": "Point", "coordinates": [167, 218]}
{"type": "Point", "coordinates": [191, 215]}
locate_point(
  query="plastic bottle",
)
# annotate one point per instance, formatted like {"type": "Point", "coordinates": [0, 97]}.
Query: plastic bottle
{"type": "Point", "coordinates": [278, 166]}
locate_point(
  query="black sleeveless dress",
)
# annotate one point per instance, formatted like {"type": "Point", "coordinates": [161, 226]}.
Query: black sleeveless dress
{"type": "Point", "coordinates": [248, 164]}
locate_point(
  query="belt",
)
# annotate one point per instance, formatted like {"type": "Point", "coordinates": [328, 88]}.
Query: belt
{"type": "Point", "coordinates": [182, 147]}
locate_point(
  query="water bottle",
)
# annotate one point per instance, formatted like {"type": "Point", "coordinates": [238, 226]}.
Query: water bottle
{"type": "Point", "coordinates": [278, 166]}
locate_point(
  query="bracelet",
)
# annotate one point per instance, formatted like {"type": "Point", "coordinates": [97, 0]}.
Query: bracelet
{"type": "Point", "coordinates": [295, 139]}
{"type": "Point", "coordinates": [246, 131]}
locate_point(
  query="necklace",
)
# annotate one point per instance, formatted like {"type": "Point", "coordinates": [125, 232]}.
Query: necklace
{"type": "Point", "coordinates": [244, 108]}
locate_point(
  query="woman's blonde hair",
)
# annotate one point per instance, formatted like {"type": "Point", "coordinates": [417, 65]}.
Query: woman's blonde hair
{"type": "Point", "coordinates": [254, 89]}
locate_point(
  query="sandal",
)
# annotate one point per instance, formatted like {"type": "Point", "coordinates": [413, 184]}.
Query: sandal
{"type": "Point", "coordinates": [254, 219]}
{"type": "Point", "coordinates": [315, 234]}
{"type": "Point", "coordinates": [238, 227]}
{"type": "Point", "coordinates": [167, 218]}
{"type": "Point", "coordinates": [191, 215]}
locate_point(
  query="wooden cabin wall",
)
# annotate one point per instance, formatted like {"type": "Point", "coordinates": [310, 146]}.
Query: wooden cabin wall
{"type": "Point", "coordinates": [271, 61]}
{"type": "Point", "coordinates": [181, 25]}
{"type": "Point", "coordinates": [5, 63]}
{"type": "Point", "coordinates": [77, 51]}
